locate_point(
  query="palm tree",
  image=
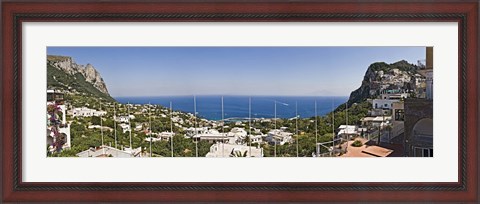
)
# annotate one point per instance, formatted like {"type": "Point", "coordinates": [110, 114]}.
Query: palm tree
{"type": "Point", "coordinates": [238, 153]}
{"type": "Point", "coordinates": [246, 139]}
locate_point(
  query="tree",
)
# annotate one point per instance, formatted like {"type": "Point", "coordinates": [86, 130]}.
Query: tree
{"type": "Point", "coordinates": [65, 153]}
{"type": "Point", "coordinates": [246, 140]}
{"type": "Point", "coordinates": [95, 120]}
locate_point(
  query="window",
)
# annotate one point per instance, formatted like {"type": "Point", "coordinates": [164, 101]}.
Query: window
{"type": "Point", "coordinates": [423, 152]}
{"type": "Point", "coordinates": [49, 96]}
{"type": "Point", "coordinates": [399, 115]}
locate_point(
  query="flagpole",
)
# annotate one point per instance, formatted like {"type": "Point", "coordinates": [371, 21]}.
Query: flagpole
{"type": "Point", "coordinates": [316, 128]}
{"type": "Point", "coordinates": [195, 120]}
{"type": "Point", "coordinates": [150, 127]}
{"type": "Point", "coordinates": [346, 112]}
{"type": "Point", "coordinates": [346, 124]}
{"type": "Point", "coordinates": [171, 128]}
{"type": "Point", "coordinates": [129, 125]}
{"type": "Point", "coordinates": [115, 123]}
{"type": "Point", "coordinates": [275, 119]}
{"type": "Point", "coordinates": [250, 125]}
{"type": "Point", "coordinates": [195, 113]}
{"type": "Point", "coordinates": [275, 122]}
{"type": "Point", "coordinates": [296, 124]}
{"type": "Point", "coordinates": [101, 127]}
{"type": "Point", "coordinates": [223, 130]}
{"type": "Point", "coordinates": [333, 125]}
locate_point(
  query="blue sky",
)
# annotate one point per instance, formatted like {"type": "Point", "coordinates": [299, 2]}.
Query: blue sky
{"type": "Point", "coordinates": [295, 71]}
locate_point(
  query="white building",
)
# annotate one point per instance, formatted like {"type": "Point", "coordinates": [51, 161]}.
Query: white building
{"type": "Point", "coordinates": [379, 112]}
{"type": "Point", "coordinates": [191, 131]}
{"type": "Point", "coordinates": [107, 151]}
{"type": "Point", "coordinates": [428, 74]}
{"type": "Point", "coordinates": [122, 119]}
{"type": "Point", "coordinates": [241, 135]}
{"type": "Point", "coordinates": [233, 150]}
{"type": "Point", "coordinates": [347, 131]}
{"type": "Point", "coordinates": [237, 134]}
{"type": "Point", "coordinates": [104, 128]}
{"type": "Point", "coordinates": [87, 112]}
{"type": "Point", "coordinates": [166, 135]}
{"type": "Point", "coordinates": [139, 127]}
{"type": "Point", "coordinates": [256, 139]}
{"type": "Point", "coordinates": [212, 136]}
{"type": "Point", "coordinates": [279, 137]}
{"type": "Point", "coordinates": [394, 96]}
{"type": "Point", "coordinates": [125, 127]}
{"type": "Point", "coordinates": [177, 119]}
{"type": "Point", "coordinates": [57, 131]}
{"type": "Point", "coordinates": [383, 103]}
{"type": "Point", "coordinates": [378, 121]}
{"type": "Point", "coordinates": [155, 137]}
{"type": "Point", "coordinates": [239, 123]}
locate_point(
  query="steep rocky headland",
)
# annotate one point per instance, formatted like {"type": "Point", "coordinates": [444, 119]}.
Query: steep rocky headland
{"type": "Point", "coordinates": [381, 76]}
{"type": "Point", "coordinates": [65, 74]}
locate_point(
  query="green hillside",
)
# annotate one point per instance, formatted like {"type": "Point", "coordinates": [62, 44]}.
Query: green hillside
{"type": "Point", "coordinates": [57, 79]}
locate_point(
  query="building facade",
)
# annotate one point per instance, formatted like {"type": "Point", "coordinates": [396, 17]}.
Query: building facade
{"type": "Point", "coordinates": [419, 116]}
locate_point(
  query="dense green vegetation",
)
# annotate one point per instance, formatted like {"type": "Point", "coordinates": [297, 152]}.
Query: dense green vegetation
{"type": "Point", "coordinates": [401, 65]}
{"type": "Point", "coordinates": [306, 146]}
{"type": "Point", "coordinates": [182, 147]}
{"type": "Point", "coordinates": [356, 112]}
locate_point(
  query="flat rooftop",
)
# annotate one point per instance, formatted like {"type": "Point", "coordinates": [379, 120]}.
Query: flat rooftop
{"type": "Point", "coordinates": [366, 150]}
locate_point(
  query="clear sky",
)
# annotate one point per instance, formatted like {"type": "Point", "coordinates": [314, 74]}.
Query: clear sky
{"type": "Point", "coordinates": [295, 71]}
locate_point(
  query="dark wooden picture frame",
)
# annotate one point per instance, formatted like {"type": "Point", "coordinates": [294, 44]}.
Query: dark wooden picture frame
{"type": "Point", "coordinates": [14, 13]}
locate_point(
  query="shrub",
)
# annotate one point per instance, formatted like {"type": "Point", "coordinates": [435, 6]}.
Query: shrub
{"type": "Point", "coordinates": [357, 143]}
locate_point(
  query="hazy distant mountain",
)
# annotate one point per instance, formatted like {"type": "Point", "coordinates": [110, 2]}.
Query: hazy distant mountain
{"type": "Point", "coordinates": [63, 73]}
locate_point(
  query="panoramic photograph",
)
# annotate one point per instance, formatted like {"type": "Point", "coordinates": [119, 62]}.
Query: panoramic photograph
{"type": "Point", "coordinates": [239, 102]}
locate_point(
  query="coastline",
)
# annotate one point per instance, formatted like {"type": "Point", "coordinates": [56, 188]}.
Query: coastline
{"type": "Point", "coordinates": [236, 106]}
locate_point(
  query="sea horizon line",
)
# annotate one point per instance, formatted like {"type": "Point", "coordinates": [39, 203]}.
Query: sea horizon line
{"type": "Point", "coordinates": [220, 95]}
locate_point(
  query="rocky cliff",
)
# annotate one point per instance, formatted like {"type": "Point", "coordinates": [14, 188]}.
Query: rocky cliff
{"type": "Point", "coordinates": [64, 73]}
{"type": "Point", "coordinates": [67, 65]}
{"type": "Point", "coordinates": [380, 76]}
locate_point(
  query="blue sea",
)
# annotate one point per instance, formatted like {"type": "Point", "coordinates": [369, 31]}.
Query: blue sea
{"type": "Point", "coordinates": [236, 107]}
